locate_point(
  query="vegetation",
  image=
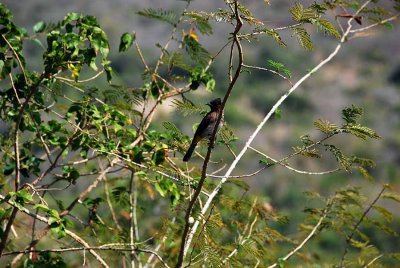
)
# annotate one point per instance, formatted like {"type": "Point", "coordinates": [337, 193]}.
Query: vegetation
{"type": "Point", "coordinates": [89, 174]}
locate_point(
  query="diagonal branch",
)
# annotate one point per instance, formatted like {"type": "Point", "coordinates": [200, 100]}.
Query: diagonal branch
{"type": "Point", "coordinates": [45, 220]}
{"type": "Point", "coordinates": [216, 190]}
{"type": "Point", "coordinates": [187, 237]}
{"type": "Point", "coordinates": [357, 225]}
{"type": "Point", "coordinates": [309, 236]}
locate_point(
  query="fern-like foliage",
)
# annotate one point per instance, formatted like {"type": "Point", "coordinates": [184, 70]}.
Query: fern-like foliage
{"type": "Point", "coordinates": [325, 26]}
{"type": "Point", "coordinates": [195, 50]}
{"type": "Point", "coordinates": [325, 126]}
{"type": "Point", "coordinates": [351, 114]}
{"type": "Point", "coordinates": [274, 34]}
{"type": "Point", "coordinates": [343, 160]}
{"type": "Point", "coordinates": [280, 68]}
{"type": "Point", "coordinates": [174, 131]}
{"type": "Point", "coordinates": [360, 131]}
{"type": "Point", "coordinates": [247, 16]}
{"type": "Point", "coordinates": [312, 15]}
{"type": "Point", "coordinates": [159, 14]}
{"type": "Point", "coordinates": [201, 21]}
{"type": "Point", "coordinates": [303, 38]}
{"type": "Point", "coordinates": [227, 135]}
{"type": "Point", "coordinates": [186, 107]}
{"type": "Point", "coordinates": [124, 98]}
{"type": "Point", "coordinates": [175, 59]}
{"type": "Point", "coordinates": [308, 152]}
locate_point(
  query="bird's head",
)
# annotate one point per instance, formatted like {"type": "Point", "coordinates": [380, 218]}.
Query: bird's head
{"type": "Point", "coordinates": [215, 104]}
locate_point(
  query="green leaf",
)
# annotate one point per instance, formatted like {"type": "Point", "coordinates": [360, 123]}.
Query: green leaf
{"type": "Point", "coordinates": [364, 172]}
{"type": "Point", "coordinates": [41, 207]}
{"type": "Point", "coordinates": [159, 157]}
{"type": "Point", "coordinates": [210, 85]}
{"type": "Point", "coordinates": [37, 41]}
{"type": "Point", "coordinates": [24, 194]}
{"type": "Point", "coordinates": [352, 114]}
{"type": "Point", "coordinates": [126, 41]}
{"type": "Point", "coordinates": [360, 131]}
{"type": "Point", "coordinates": [195, 50]}
{"type": "Point", "coordinates": [71, 17]}
{"type": "Point", "coordinates": [186, 107]}
{"type": "Point", "coordinates": [159, 14]}
{"type": "Point", "coordinates": [392, 196]}
{"type": "Point", "coordinates": [279, 67]}
{"type": "Point", "coordinates": [326, 27]}
{"type": "Point", "coordinates": [281, 263]}
{"type": "Point", "coordinates": [325, 126]}
{"type": "Point", "coordinates": [386, 214]}
{"type": "Point", "coordinates": [161, 191]}
{"type": "Point", "coordinates": [297, 11]}
{"type": "Point", "coordinates": [1, 66]}
{"type": "Point", "coordinates": [278, 113]}
{"type": "Point", "coordinates": [39, 27]}
{"type": "Point", "coordinates": [201, 21]}
{"type": "Point", "coordinates": [303, 38]}
{"type": "Point", "coordinates": [275, 35]}
{"type": "Point", "coordinates": [343, 160]}
{"type": "Point", "coordinates": [307, 152]}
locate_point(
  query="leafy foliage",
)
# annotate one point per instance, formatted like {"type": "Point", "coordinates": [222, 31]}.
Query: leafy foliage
{"type": "Point", "coordinates": [159, 14]}
{"type": "Point", "coordinates": [66, 138]}
{"type": "Point", "coordinates": [280, 68]}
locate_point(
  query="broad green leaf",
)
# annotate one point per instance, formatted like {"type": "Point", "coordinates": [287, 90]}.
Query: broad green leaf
{"type": "Point", "coordinates": [126, 41]}
{"type": "Point", "coordinates": [39, 27]}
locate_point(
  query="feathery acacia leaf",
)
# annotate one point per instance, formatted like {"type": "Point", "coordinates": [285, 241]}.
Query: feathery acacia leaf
{"type": "Point", "coordinates": [360, 131]}
{"type": "Point", "coordinates": [280, 68]}
{"type": "Point", "coordinates": [275, 35]}
{"type": "Point", "coordinates": [325, 126]}
{"type": "Point", "coordinates": [351, 114]}
{"type": "Point", "coordinates": [187, 107]}
{"type": "Point", "coordinates": [325, 26]}
{"type": "Point", "coordinates": [159, 14]}
{"type": "Point", "coordinates": [303, 37]}
{"type": "Point", "coordinates": [308, 152]}
{"type": "Point", "coordinates": [201, 21]}
{"type": "Point", "coordinates": [343, 160]}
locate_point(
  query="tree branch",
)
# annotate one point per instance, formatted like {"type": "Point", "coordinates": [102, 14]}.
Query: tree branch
{"type": "Point", "coordinates": [216, 190]}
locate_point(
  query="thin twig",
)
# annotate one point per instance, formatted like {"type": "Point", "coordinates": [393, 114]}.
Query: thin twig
{"type": "Point", "coordinates": [280, 162]}
{"type": "Point", "coordinates": [133, 228]}
{"type": "Point", "coordinates": [373, 260]}
{"type": "Point", "coordinates": [375, 24]}
{"type": "Point", "coordinates": [357, 225]}
{"type": "Point", "coordinates": [100, 248]}
{"type": "Point", "coordinates": [80, 81]}
{"type": "Point", "coordinates": [18, 59]}
{"type": "Point", "coordinates": [263, 122]}
{"type": "Point", "coordinates": [309, 236]}
{"type": "Point", "coordinates": [269, 70]}
{"type": "Point", "coordinates": [108, 199]}
{"type": "Point", "coordinates": [187, 236]}
{"type": "Point", "coordinates": [45, 220]}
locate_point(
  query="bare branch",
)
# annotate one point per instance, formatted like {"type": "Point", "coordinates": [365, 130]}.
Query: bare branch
{"type": "Point", "coordinates": [395, 17]}
{"type": "Point", "coordinates": [281, 162]}
{"type": "Point", "coordinates": [309, 236]}
{"type": "Point", "coordinates": [264, 121]}
{"type": "Point", "coordinates": [269, 70]}
{"type": "Point", "coordinates": [68, 232]}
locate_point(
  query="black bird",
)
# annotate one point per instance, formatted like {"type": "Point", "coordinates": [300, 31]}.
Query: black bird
{"type": "Point", "coordinates": [206, 126]}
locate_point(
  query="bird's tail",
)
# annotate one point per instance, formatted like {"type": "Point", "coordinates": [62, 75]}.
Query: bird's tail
{"type": "Point", "coordinates": [189, 152]}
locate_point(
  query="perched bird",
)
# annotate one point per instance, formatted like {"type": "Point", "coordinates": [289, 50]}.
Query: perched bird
{"type": "Point", "coordinates": [206, 126]}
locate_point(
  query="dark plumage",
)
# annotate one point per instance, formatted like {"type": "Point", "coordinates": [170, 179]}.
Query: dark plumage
{"type": "Point", "coordinates": [206, 126]}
